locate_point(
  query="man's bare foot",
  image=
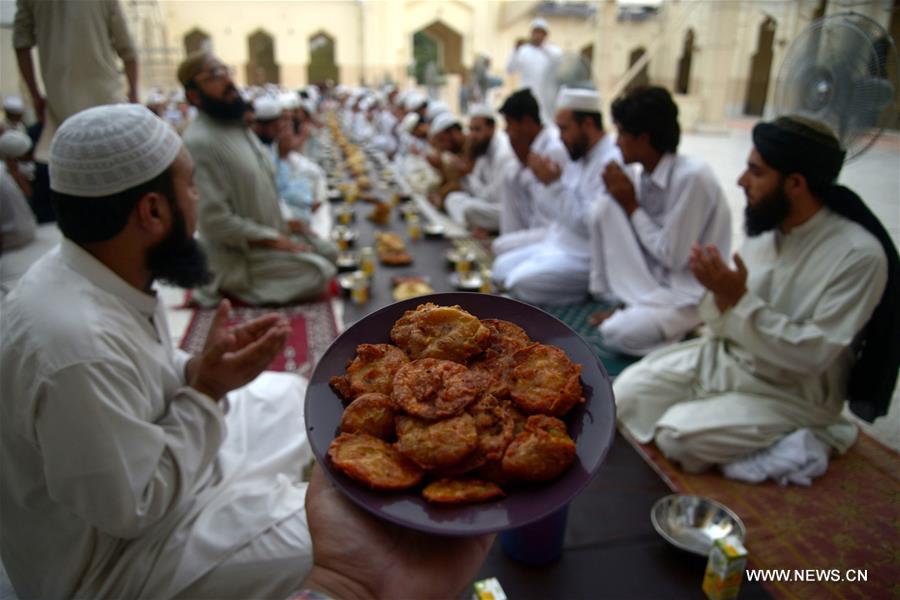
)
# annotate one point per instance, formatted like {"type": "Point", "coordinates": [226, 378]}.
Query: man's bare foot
{"type": "Point", "coordinates": [601, 315]}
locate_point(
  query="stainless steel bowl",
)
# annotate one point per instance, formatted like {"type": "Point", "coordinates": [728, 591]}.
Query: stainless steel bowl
{"type": "Point", "coordinates": [694, 523]}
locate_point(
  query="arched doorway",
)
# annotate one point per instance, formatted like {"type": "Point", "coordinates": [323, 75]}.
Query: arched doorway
{"type": "Point", "coordinates": [760, 69]}
{"type": "Point", "coordinates": [322, 66]}
{"type": "Point", "coordinates": [640, 78]}
{"type": "Point", "coordinates": [261, 66]}
{"type": "Point", "coordinates": [683, 81]}
{"type": "Point", "coordinates": [196, 40]}
{"type": "Point", "coordinates": [439, 44]}
{"type": "Point", "coordinates": [587, 57]}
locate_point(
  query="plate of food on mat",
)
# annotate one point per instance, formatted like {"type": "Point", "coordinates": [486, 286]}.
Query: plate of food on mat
{"type": "Point", "coordinates": [460, 413]}
{"type": "Point", "coordinates": [391, 249]}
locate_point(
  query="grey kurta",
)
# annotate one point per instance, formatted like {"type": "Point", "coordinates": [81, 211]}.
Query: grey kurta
{"type": "Point", "coordinates": [776, 361]}
{"type": "Point", "coordinates": [239, 204]}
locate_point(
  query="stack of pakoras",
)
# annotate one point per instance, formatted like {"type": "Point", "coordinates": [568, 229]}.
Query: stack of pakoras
{"type": "Point", "coordinates": [469, 404]}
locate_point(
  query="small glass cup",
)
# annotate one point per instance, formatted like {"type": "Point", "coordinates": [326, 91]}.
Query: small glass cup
{"type": "Point", "coordinates": [413, 227]}
{"type": "Point", "coordinates": [360, 290]}
{"type": "Point", "coordinates": [367, 260]}
{"type": "Point", "coordinates": [464, 263]}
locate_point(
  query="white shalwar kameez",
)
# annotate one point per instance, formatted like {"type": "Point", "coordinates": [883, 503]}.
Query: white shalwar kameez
{"type": "Point", "coordinates": [527, 205]}
{"type": "Point", "coordinates": [119, 480]}
{"type": "Point", "coordinates": [556, 270]}
{"type": "Point", "coordinates": [478, 204]}
{"type": "Point", "coordinates": [775, 362]}
{"type": "Point", "coordinates": [537, 66]}
{"type": "Point", "coordinates": [644, 261]}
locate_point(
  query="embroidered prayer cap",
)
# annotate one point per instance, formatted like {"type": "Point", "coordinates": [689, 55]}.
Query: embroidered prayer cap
{"type": "Point", "coordinates": [442, 122]}
{"type": "Point", "coordinates": [578, 100]}
{"type": "Point", "coordinates": [108, 149]}
{"type": "Point", "coordinates": [13, 104]}
{"type": "Point", "coordinates": [436, 107]}
{"type": "Point", "coordinates": [794, 144]}
{"type": "Point", "coordinates": [409, 122]}
{"type": "Point", "coordinates": [481, 110]}
{"type": "Point", "coordinates": [266, 108]}
{"type": "Point", "coordinates": [289, 100]}
{"type": "Point", "coordinates": [414, 101]}
{"type": "Point", "coordinates": [14, 144]}
{"type": "Point", "coordinates": [192, 66]}
{"type": "Point", "coordinates": [540, 23]}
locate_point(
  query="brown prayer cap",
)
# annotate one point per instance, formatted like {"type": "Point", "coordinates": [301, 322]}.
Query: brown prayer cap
{"type": "Point", "coordinates": [191, 66]}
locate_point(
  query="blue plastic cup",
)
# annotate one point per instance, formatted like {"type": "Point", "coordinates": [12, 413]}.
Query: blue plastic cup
{"type": "Point", "coordinates": [537, 543]}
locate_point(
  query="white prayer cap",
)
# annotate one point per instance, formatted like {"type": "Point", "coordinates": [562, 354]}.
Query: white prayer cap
{"type": "Point", "coordinates": [178, 96]}
{"type": "Point", "coordinates": [367, 102]}
{"type": "Point", "coordinates": [578, 100]}
{"type": "Point", "coordinates": [309, 106]}
{"type": "Point", "coordinates": [14, 144]}
{"type": "Point", "coordinates": [108, 149]}
{"type": "Point", "coordinates": [267, 108]}
{"type": "Point", "coordinates": [436, 107]}
{"type": "Point", "coordinates": [13, 104]}
{"type": "Point", "coordinates": [481, 110]}
{"type": "Point", "coordinates": [414, 101]}
{"type": "Point", "coordinates": [540, 23]}
{"type": "Point", "coordinates": [442, 122]}
{"type": "Point", "coordinates": [409, 122]}
{"type": "Point", "coordinates": [289, 100]}
{"type": "Point", "coordinates": [313, 92]}
{"type": "Point", "coordinates": [155, 97]}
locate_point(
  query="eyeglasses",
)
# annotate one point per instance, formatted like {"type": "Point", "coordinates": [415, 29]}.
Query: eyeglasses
{"type": "Point", "coordinates": [218, 72]}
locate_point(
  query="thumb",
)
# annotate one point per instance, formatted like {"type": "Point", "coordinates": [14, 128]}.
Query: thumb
{"type": "Point", "coordinates": [218, 338]}
{"type": "Point", "coordinates": [739, 263]}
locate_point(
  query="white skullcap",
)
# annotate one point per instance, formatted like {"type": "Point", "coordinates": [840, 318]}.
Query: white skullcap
{"type": "Point", "coordinates": [156, 98]}
{"type": "Point", "coordinates": [436, 107]}
{"type": "Point", "coordinates": [178, 96]}
{"type": "Point", "coordinates": [13, 104]}
{"type": "Point", "coordinates": [481, 110]}
{"type": "Point", "coordinates": [540, 23]}
{"type": "Point", "coordinates": [108, 149]}
{"type": "Point", "coordinates": [409, 122]}
{"type": "Point", "coordinates": [313, 92]}
{"type": "Point", "coordinates": [442, 122]}
{"type": "Point", "coordinates": [366, 103]}
{"type": "Point", "coordinates": [267, 108]}
{"type": "Point", "coordinates": [414, 101]}
{"type": "Point", "coordinates": [14, 144]}
{"type": "Point", "coordinates": [289, 100]}
{"type": "Point", "coordinates": [309, 106]}
{"type": "Point", "coordinates": [578, 99]}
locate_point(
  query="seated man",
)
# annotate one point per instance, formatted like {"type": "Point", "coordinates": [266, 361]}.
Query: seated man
{"type": "Point", "coordinates": [129, 470]}
{"type": "Point", "coordinates": [477, 205]}
{"type": "Point", "coordinates": [17, 223]}
{"type": "Point", "coordinates": [641, 238]}
{"type": "Point", "coordinates": [785, 323]}
{"type": "Point", "coordinates": [556, 269]}
{"type": "Point", "coordinates": [527, 206]}
{"type": "Point", "coordinates": [254, 253]}
{"type": "Point", "coordinates": [448, 147]}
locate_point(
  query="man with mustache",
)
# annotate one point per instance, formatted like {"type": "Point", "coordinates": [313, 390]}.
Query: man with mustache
{"type": "Point", "coordinates": [255, 255]}
{"type": "Point", "coordinates": [804, 320]}
{"type": "Point", "coordinates": [477, 205]}
{"type": "Point", "coordinates": [132, 469]}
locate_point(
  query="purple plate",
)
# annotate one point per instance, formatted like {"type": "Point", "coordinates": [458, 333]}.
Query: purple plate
{"type": "Point", "coordinates": [591, 425]}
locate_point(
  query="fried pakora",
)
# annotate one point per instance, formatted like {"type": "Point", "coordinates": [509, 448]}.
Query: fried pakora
{"type": "Point", "coordinates": [461, 491]}
{"type": "Point", "coordinates": [436, 444]}
{"type": "Point", "coordinates": [504, 340]}
{"type": "Point", "coordinates": [541, 452]}
{"type": "Point", "coordinates": [372, 370]}
{"type": "Point", "coordinates": [445, 332]}
{"type": "Point", "coordinates": [495, 426]}
{"type": "Point", "coordinates": [543, 380]}
{"type": "Point", "coordinates": [373, 462]}
{"type": "Point", "coordinates": [371, 413]}
{"type": "Point", "coordinates": [434, 389]}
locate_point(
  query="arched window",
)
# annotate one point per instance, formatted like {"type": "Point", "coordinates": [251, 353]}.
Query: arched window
{"type": "Point", "coordinates": [322, 66]}
{"type": "Point", "coordinates": [261, 66]}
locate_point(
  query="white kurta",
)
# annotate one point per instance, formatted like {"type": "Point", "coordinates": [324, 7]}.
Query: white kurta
{"type": "Point", "coordinates": [17, 223]}
{"type": "Point", "coordinates": [536, 66]}
{"type": "Point", "coordinates": [478, 204]}
{"type": "Point", "coordinates": [118, 479]}
{"type": "Point", "coordinates": [556, 270]}
{"type": "Point", "coordinates": [644, 261]}
{"type": "Point", "coordinates": [527, 206]}
{"type": "Point", "coordinates": [776, 361]}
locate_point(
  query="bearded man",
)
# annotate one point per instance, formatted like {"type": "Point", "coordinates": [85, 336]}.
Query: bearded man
{"type": "Point", "coordinates": [806, 319]}
{"type": "Point", "coordinates": [255, 254]}
{"type": "Point", "coordinates": [132, 469]}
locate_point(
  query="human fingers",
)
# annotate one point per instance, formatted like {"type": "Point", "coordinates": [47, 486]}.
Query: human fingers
{"type": "Point", "coordinates": [250, 330]}
{"type": "Point", "coordinates": [259, 354]}
{"type": "Point", "coordinates": [741, 267]}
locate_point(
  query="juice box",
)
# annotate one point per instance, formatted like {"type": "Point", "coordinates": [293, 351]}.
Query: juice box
{"type": "Point", "coordinates": [488, 589]}
{"type": "Point", "coordinates": [725, 569]}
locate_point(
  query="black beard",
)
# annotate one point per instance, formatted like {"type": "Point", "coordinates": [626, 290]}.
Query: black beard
{"type": "Point", "coordinates": [265, 139]}
{"type": "Point", "coordinates": [178, 259]}
{"type": "Point", "coordinates": [480, 149]}
{"type": "Point", "coordinates": [579, 148]}
{"type": "Point", "coordinates": [768, 213]}
{"type": "Point", "coordinates": [220, 109]}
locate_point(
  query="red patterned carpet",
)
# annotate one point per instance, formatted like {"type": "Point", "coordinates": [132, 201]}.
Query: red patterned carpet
{"type": "Point", "coordinates": [313, 325]}
{"type": "Point", "coordinates": [848, 519]}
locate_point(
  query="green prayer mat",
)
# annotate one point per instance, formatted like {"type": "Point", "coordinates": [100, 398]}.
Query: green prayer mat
{"type": "Point", "coordinates": [576, 316]}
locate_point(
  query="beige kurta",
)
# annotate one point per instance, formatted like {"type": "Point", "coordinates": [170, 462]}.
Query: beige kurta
{"type": "Point", "coordinates": [238, 204]}
{"type": "Point", "coordinates": [776, 361]}
{"type": "Point", "coordinates": [78, 44]}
